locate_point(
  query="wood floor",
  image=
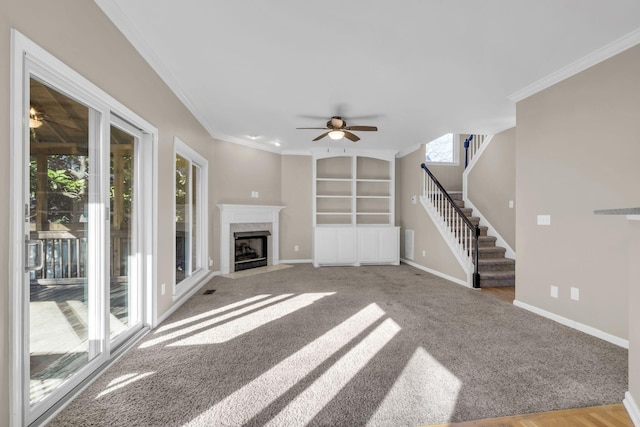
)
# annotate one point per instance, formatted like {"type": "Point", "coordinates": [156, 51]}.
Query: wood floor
{"type": "Point", "coordinates": [505, 293]}
{"type": "Point", "coordinates": [597, 416]}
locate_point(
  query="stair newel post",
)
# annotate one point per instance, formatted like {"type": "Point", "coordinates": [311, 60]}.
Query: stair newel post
{"type": "Point", "coordinates": [466, 150]}
{"type": "Point", "coordinates": [476, 257]}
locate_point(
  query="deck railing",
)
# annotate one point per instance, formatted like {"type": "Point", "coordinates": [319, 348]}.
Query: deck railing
{"type": "Point", "coordinates": [64, 255]}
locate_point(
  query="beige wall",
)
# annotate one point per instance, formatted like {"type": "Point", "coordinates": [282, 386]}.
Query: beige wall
{"type": "Point", "coordinates": [409, 182]}
{"type": "Point", "coordinates": [297, 218]}
{"type": "Point", "coordinates": [237, 171]}
{"type": "Point", "coordinates": [492, 184]}
{"type": "Point", "coordinates": [578, 145]}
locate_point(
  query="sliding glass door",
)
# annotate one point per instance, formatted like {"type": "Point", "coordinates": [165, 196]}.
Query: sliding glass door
{"type": "Point", "coordinates": [125, 291]}
{"type": "Point", "coordinates": [62, 273]}
{"type": "Point", "coordinates": [82, 242]}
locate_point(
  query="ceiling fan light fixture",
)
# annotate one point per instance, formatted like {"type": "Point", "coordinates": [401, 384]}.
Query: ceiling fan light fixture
{"type": "Point", "coordinates": [336, 134]}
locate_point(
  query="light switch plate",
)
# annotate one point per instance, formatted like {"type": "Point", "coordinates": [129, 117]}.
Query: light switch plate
{"type": "Point", "coordinates": [544, 219]}
{"type": "Point", "coordinates": [554, 292]}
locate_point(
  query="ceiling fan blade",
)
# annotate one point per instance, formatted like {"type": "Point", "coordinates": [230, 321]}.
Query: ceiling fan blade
{"type": "Point", "coordinates": [350, 136]}
{"type": "Point", "coordinates": [321, 136]}
{"type": "Point", "coordinates": [314, 128]}
{"type": "Point", "coordinates": [362, 128]}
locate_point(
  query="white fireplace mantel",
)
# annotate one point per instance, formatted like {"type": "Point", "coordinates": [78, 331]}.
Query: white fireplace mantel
{"type": "Point", "coordinates": [244, 214]}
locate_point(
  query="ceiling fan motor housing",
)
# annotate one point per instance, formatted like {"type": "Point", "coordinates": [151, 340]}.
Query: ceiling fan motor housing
{"type": "Point", "coordinates": [336, 122]}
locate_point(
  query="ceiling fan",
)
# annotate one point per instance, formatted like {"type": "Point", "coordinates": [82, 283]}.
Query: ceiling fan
{"type": "Point", "coordinates": [337, 129]}
{"type": "Point", "coordinates": [37, 117]}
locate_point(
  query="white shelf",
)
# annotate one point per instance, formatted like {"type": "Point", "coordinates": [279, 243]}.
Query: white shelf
{"type": "Point", "coordinates": [355, 184]}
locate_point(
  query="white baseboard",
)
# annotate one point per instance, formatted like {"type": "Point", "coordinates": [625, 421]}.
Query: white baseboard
{"type": "Point", "coordinates": [296, 261]}
{"type": "Point", "coordinates": [575, 325]}
{"type": "Point", "coordinates": [185, 297]}
{"type": "Point", "coordinates": [436, 273]}
{"type": "Point", "coordinates": [632, 408]}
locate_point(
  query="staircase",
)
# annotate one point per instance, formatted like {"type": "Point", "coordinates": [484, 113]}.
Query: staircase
{"type": "Point", "coordinates": [494, 268]}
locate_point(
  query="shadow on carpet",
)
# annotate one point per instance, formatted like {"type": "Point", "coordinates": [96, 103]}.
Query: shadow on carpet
{"type": "Point", "coordinates": [346, 346]}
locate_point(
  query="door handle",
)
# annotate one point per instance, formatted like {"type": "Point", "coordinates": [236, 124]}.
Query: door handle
{"type": "Point", "coordinates": [38, 262]}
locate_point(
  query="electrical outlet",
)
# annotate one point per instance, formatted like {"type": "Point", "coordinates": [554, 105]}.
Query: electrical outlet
{"type": "Point", "coordinates": [424, 253]}
{"type": "Point", "coordinates": [510, 204]}
{"type": "Point", "coordinates": [210, 262]}
{"type": "Point", "coordinates": [414, 200]}
{"type": "Point", "coordinates": [544, 219]}
{"type": "Point", "coordinates": [296, 248]}
{"type": "Point", "coordinates": [162, 289]}
{"type": "Point", "coordinates": [254, 194]}
{"type": "Point", "coordinates": [554, 292]}
{"type": "Point", "coordinates": [575, 294]}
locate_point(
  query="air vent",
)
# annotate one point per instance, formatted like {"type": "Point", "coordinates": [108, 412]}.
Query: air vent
{"type": "Point", "coordinates": [209, 292]}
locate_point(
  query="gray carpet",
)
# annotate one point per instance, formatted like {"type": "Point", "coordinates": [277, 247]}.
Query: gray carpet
{"type": "Point", "coordinates": [344, 346]}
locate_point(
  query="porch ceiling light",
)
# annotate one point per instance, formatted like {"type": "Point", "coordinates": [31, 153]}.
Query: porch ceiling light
{"type": "Point", "coordinates": [34, 119]}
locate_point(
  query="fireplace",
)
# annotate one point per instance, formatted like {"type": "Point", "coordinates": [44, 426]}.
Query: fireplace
{"type": "Point", "coordinates": [251, 249]}
{"type": "Point", "coordinates": [248, 218]}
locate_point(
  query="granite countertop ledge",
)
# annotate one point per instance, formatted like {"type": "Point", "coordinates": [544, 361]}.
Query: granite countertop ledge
{"type": "Point", "coordinates": [622, 211]}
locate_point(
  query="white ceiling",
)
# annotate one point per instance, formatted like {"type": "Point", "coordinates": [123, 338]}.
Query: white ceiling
{"type": "Point", "coordinates": [415, 68]}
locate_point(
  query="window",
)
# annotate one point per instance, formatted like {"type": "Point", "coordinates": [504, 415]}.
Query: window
{"type": "Point", "coordinates": [190, 223]}
{"type": "Point", "coordinates": [443, 150]}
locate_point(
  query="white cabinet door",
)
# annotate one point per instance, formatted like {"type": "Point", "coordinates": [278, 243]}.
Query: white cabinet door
{"type": "Point", "coordinates": [347, 249]}
{"type": "Point", "coordinates": [335, 245]}
{"type": "Point", "coordinates": [379, 245]}
{"type": "Point", "coordinates": [368, 244]}
{"type": "Point", "coordinates": [324, 247]}
{"type": "Point", "coordinates": [389, 245]}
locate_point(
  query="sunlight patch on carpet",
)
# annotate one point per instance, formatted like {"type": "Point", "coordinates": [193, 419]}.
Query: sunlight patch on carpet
{"type": "Point", "coordinates": [209, 313]}
{"type": "Point", "coordinates": [424, 390]}
{"type": "Point", "coordinates": [237, 327]}
{"type": "Point", "coordinates": [123, 381]}
{"type": "Point", "coordinates": [200, 325]}
{"type": "Point", "coordinates": [311, 401]}
{"type": "Point", "coordinates": [248, 401]}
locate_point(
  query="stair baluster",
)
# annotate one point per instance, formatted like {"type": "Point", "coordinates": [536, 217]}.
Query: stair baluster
{"type": "Point", "coordinates": [464, 231]}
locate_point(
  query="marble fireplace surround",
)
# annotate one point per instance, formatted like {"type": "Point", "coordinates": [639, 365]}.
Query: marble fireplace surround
{"type": "Point", "coordinates": [235, 218]}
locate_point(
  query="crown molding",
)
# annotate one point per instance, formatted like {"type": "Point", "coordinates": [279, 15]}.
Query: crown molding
{"type": "Point", "coordinates": [597, 56]}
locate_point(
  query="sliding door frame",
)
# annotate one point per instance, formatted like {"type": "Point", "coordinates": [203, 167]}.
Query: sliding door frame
{"type": "Point", "coordinates": [29, 59]}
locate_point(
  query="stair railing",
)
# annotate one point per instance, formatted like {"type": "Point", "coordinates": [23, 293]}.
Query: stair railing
{"type": "Point", "coordinates": [471, 146]}
{"type": "Point", "coordinates": [463, 231]}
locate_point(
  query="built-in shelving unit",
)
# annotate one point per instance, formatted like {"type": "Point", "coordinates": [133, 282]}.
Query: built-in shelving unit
{"type": "Point", "coordinates": [354, 190]}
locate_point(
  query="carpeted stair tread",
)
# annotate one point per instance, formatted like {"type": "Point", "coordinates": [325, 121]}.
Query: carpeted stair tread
{"type": "Point", "coordinates": [496, 264]}
{"type": "Point", "coordinates": [494, 268]}
{"type": "Point", "coordinates": [490, 252]}
{"type": "Point", "coordinates": [497, 278]}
